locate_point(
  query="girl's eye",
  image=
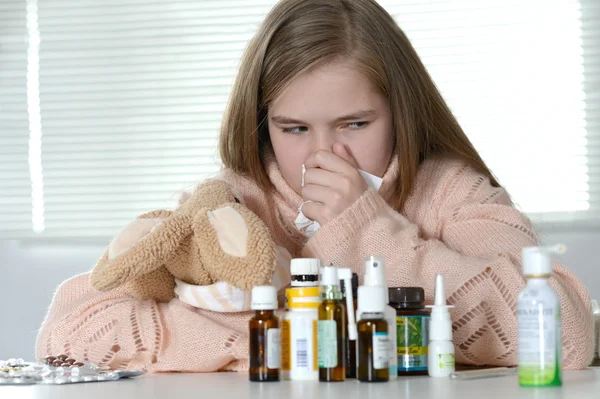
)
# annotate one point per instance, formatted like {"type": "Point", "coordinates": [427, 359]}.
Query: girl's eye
{"type": "Point", "coordinates": [295, 130]}
{"type": "Point", "coordinates": [357, 125]}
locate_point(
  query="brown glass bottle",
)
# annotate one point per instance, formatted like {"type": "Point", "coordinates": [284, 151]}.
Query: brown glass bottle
{"type": "Point", "coordinates": [412, 326]}
{"type": "Point", "coordinates": [336, 311]}
{"type": "Point", "coordinates": [260, 324]}
{"type": "Point", "coordinates": [264, 336]}
{"type": "Point", "coordinates": [368, 369]}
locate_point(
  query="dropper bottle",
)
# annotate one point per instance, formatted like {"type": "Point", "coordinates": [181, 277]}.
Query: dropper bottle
{"type": "Point", "coordinates": [440, 359]}
{"type": "Point", "coordinates": [331, 336]}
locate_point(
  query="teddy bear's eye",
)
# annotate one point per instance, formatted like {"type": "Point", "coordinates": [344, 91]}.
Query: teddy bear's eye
{"type": "Point", "coordinates": [237, 200]}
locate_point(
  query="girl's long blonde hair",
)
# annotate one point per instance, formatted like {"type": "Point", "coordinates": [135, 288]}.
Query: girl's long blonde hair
{"type": "Point", "coordinates": [298, 35]}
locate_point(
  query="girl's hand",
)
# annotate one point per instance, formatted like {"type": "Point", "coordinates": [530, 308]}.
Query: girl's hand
{"type": "Point", "coordinates": [333, 182]}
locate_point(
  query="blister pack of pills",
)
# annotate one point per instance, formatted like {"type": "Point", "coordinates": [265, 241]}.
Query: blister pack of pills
{"type": "Point", "coordinates": [58, 370]}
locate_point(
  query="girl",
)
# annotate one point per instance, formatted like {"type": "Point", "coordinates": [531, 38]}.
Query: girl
{"type": "Point", "coordinates": [335, 85]}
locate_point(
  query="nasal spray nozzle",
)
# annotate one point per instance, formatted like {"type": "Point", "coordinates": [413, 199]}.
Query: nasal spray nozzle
{"type": "Point", "coordinates": [441, 323]}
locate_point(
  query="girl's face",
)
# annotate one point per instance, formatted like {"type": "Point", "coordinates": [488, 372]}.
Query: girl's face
{"type": "Point", "coordinates": [333, 102]}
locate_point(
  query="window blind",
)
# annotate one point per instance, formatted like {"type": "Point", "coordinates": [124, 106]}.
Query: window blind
{"type": "Point", "coordinates": [15, 186]}
{"type": "Point", "coordinates": [118, 107]}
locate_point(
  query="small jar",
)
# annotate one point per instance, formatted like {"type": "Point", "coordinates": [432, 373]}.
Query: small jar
{"type": "Point", "coordinates": [412, 322]}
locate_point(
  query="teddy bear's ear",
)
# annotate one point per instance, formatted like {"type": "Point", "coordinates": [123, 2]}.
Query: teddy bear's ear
{"type": "Point", "coordinates": [235, 246]}
{"type": "Point", "coordinates": [141, 248]}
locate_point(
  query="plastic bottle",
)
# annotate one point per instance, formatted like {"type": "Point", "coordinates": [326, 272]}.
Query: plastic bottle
{"type": "Point", "coordinates": [264, 337]}
{"type": "Point", "coordinates": [299, 334]}
{"type": "Point", "coordinates": [375, 277]}
{"type": "Point", "coordinates": [412, 322]}
{"type": "Point", "coordinates": [305, 272]}
{"type": "Point", "coordinates": [331, 337]}
{"type": "Point", "coordinates": [538, 321]}
{"type": "Point", "coordinates": [373, 339]}
{"type": "Point", "coordinates": [440, 359]}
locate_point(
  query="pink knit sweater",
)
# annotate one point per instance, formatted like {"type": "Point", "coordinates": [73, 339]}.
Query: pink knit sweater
{"type": "Point", "coordinates": [454, 223]}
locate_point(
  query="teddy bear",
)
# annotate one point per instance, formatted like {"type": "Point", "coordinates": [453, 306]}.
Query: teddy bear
{"type": "Point", "coordinates": [211, 237]}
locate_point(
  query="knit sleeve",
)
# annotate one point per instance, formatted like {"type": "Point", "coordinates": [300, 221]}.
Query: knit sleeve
{"type": "Point", "coordinates": [468, 230]}
{"type": "Point", "coordinates": [114, 329]}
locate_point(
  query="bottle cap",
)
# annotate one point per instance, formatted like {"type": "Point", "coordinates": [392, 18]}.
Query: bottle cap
{"type": "Point", "coordinates": [305, 271]}
{"type": "Point", "coordinates": [440, 324]}
{"type": "Point", "coordinates": [371, 299]}
{"type": "Point", "coordinates": [375, 273]}
{"type": "Point", "coordinates": [264, 297]}
{"type": "Point", "coordinates": [329, 276]}
{"type": "Point", "coordinates": [537, 261]}
{"type": "Point", "coordinates": [407, 297]}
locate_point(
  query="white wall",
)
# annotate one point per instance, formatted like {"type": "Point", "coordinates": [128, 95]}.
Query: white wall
{"type": "Point", "coordinates": [30, 274]}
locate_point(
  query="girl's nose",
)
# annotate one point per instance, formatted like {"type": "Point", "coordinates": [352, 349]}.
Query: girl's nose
{"type": "Point", "coordinates": [323, 140]}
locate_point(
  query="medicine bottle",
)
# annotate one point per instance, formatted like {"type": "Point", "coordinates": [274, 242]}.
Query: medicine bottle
{"type": "Point", "coordinates": [373, 341]}
{"type": "Point", "coordinates": [264, 335]}
{"type": "Point", "coordinates": [412, 326]}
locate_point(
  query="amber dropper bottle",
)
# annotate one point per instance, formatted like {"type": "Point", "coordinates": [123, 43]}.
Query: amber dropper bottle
{"type": "Point", "coordinates": [332, 327]}
{"type": "Point", "coordinates": [265, 341]}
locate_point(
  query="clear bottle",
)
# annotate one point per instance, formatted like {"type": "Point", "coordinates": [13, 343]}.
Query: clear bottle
{"type": "Point", "coordinates": [299, 334]}
{"type": "Point", "coordinates": [412, 322]}
{"type": "Point", "coordinates": [538, 321]}
{"type": "Point", "coordinates": [264, 336]}
{"type": "Point", "coordinates": [351, 357]}
{"type": "Point", "coordinates": [331, 336]}
{"type": "Point", "coordinates": [373, 339]}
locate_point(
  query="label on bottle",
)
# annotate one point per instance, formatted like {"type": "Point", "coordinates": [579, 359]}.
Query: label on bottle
{"type": "Point", "coordinates": [446, 361]}
{"type": "Point", "coordinates": [285, 346]}
{"type": "Point", "coordinates": [273, 348]}
{"type": "Point", "coordinates": [412, 335]}
{"type": "Point", "coordinates": [539, 344]}
{"type": "Point", "coordinates": [381, 345]}
{"type": "Point", "coordinates": [327, 343]}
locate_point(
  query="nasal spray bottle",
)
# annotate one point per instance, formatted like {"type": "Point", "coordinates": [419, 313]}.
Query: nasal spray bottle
{"type": "Point", "coordinates": [440, 358]}
{"type": "Point", "coordinates": [375, 277]}
{"type": "Point", "coordinates": [538, 321]}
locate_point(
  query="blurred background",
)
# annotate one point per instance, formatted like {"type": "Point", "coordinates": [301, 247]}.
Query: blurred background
{"type": "Point", "coordinates": [110, 108]}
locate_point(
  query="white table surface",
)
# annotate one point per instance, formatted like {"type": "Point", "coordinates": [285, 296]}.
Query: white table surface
{"type": "Point", "coordinates": [576, 385]}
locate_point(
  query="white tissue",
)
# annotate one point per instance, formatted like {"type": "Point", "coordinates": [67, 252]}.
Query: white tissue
{"type": "Point", "coordinates": [310, 227]}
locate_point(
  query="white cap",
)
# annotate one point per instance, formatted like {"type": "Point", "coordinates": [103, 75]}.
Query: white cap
{"type": "Point", "coordinates": [300, 266]}
{"type": "Point", "coordinates": [371, 299]}
{"type": "Point", "coordinates": [329, 276]}
{"type": "Point", "coordinates": [440, 324]}
{"type": "Point", "coordinates": [264, 297]}
{"type": "Point", "coordinates": [375, 274]}
{"type": "Point", "coordinates": [537, 261]}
